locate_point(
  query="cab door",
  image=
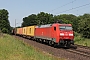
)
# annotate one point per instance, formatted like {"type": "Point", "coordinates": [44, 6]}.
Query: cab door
{"type": "Point", "coordinates": [54, 33]}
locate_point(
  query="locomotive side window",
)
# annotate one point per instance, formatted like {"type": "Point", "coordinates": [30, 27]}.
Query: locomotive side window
{"type": "Point", "coordinates": [65, 27]}
{"type": "Point", "coordinates": [55, 28]}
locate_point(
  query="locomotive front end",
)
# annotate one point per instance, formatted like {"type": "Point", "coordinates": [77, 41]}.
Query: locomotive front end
{"type": "Point", "coordinates": [66, 35]}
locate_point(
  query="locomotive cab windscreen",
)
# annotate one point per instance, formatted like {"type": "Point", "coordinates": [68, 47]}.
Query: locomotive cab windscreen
{"type": "Point", "coordinates": [65, 27]}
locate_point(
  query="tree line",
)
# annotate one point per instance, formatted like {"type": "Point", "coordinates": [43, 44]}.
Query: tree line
{"type": "Point", "coordinates": [81, 24]}
{"type": "Point", "coordinates": [4, 22]}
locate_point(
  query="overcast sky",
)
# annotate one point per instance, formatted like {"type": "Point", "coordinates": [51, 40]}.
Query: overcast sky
{"type": "Point", "coordinates": [18, 9]}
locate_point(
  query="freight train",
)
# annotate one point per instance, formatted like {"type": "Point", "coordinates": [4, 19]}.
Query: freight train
{"type": "Point", "coordinates": [53, 34]}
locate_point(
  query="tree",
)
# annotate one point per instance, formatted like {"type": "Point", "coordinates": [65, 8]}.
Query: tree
{"type": "Point", "coordinates": [68, 19]}
{"type": "Point", "coordinates": [44, 18]}
{"type": "Point", "coordinates": [39, 19]}
{"type": "Point", "coordinates": [30, 20]}
{"type": "Point", "coordinates": [4, 30]}
{"type": "Point", "coordinates": [4, 22]}
{"type": "Point", "coordinates": [84, 25]}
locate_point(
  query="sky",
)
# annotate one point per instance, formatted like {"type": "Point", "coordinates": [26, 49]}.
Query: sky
{"type": "Point", "coordinates": [18, 9]}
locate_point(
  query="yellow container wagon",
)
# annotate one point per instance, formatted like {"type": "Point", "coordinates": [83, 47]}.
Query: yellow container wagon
{"type": "Point", "coordinates": [30, 31]}
{"type": "Point", "coordinates": [24, 31]}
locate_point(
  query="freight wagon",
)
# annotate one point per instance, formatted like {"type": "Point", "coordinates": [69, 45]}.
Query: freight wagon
{"type": "Point", "coordinates": [30, 32]}
{"type": "Point", "coordinates": [19, 31]}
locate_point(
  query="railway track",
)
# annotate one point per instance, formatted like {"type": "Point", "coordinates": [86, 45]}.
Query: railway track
{"type": "Point", "coordinates": [80, 53]}
{"type": "Point", "coordinates": [86, 47]}
{"type": "Point", "coordinates": [81, 50]}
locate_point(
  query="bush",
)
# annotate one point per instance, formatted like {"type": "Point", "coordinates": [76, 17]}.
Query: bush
{"type": "Point", "coordinates": [76, 34]}
{"type": "Point", "coordinates": [0, 31]}
{"type": "Point", "coordinates": [4, 30]}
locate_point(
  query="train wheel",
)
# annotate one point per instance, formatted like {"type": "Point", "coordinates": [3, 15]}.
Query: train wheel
{"type": "Point", "coordinates": [43, 41]}
{"type": "Point", "coordinates": [50, 43]}
{"type": "Point", "coordinates": [55, 45]}
{"type": "Point", "coordinates": [40, 40]}
{"type": "Point", "coordinates": [47, 42]}
{"type": "Point", "coordinates": [37, 40]}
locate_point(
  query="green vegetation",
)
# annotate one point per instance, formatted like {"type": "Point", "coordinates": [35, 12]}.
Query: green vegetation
{"type": "Point", "coordinates": [14, 49]}
{"type": "Point", "coordinates": [81, 41]}
{"type": "Point", "coordinates": [4, 22]}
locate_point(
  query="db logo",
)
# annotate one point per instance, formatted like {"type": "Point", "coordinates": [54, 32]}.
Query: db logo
{"type": "Point", "coordinates": [66, 34]}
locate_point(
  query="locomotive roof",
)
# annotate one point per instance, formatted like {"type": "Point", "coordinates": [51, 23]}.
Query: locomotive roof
{"type": "Point", "coordinates": [41, 26]}
{"type": "Point", "coordinates": [49, 25]}
{"type": "Point", "coordinates": [66, 24]}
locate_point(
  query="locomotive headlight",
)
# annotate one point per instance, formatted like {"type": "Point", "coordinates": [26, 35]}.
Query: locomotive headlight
{"type": "Point", "coordinates": [61, 34]}
{"type": "Point", "coordinates": [70, 34]}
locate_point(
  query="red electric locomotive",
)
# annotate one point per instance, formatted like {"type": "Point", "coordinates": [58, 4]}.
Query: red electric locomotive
{"type": "Point", "coordinates": [61, 34]}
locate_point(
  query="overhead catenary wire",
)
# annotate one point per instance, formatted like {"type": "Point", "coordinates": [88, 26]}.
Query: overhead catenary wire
{"type": "Point", "coordinates": [84, 12]}
{"type": "Point", "coordinates": [63, 5]}
{"type": "Point", "coordinates": [74, 8]}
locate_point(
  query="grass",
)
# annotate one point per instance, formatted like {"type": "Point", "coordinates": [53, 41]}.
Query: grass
{"type": "Point", "coordinates": [14, 49]}
{"type": "Point", "coordinates": [81, 41]}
